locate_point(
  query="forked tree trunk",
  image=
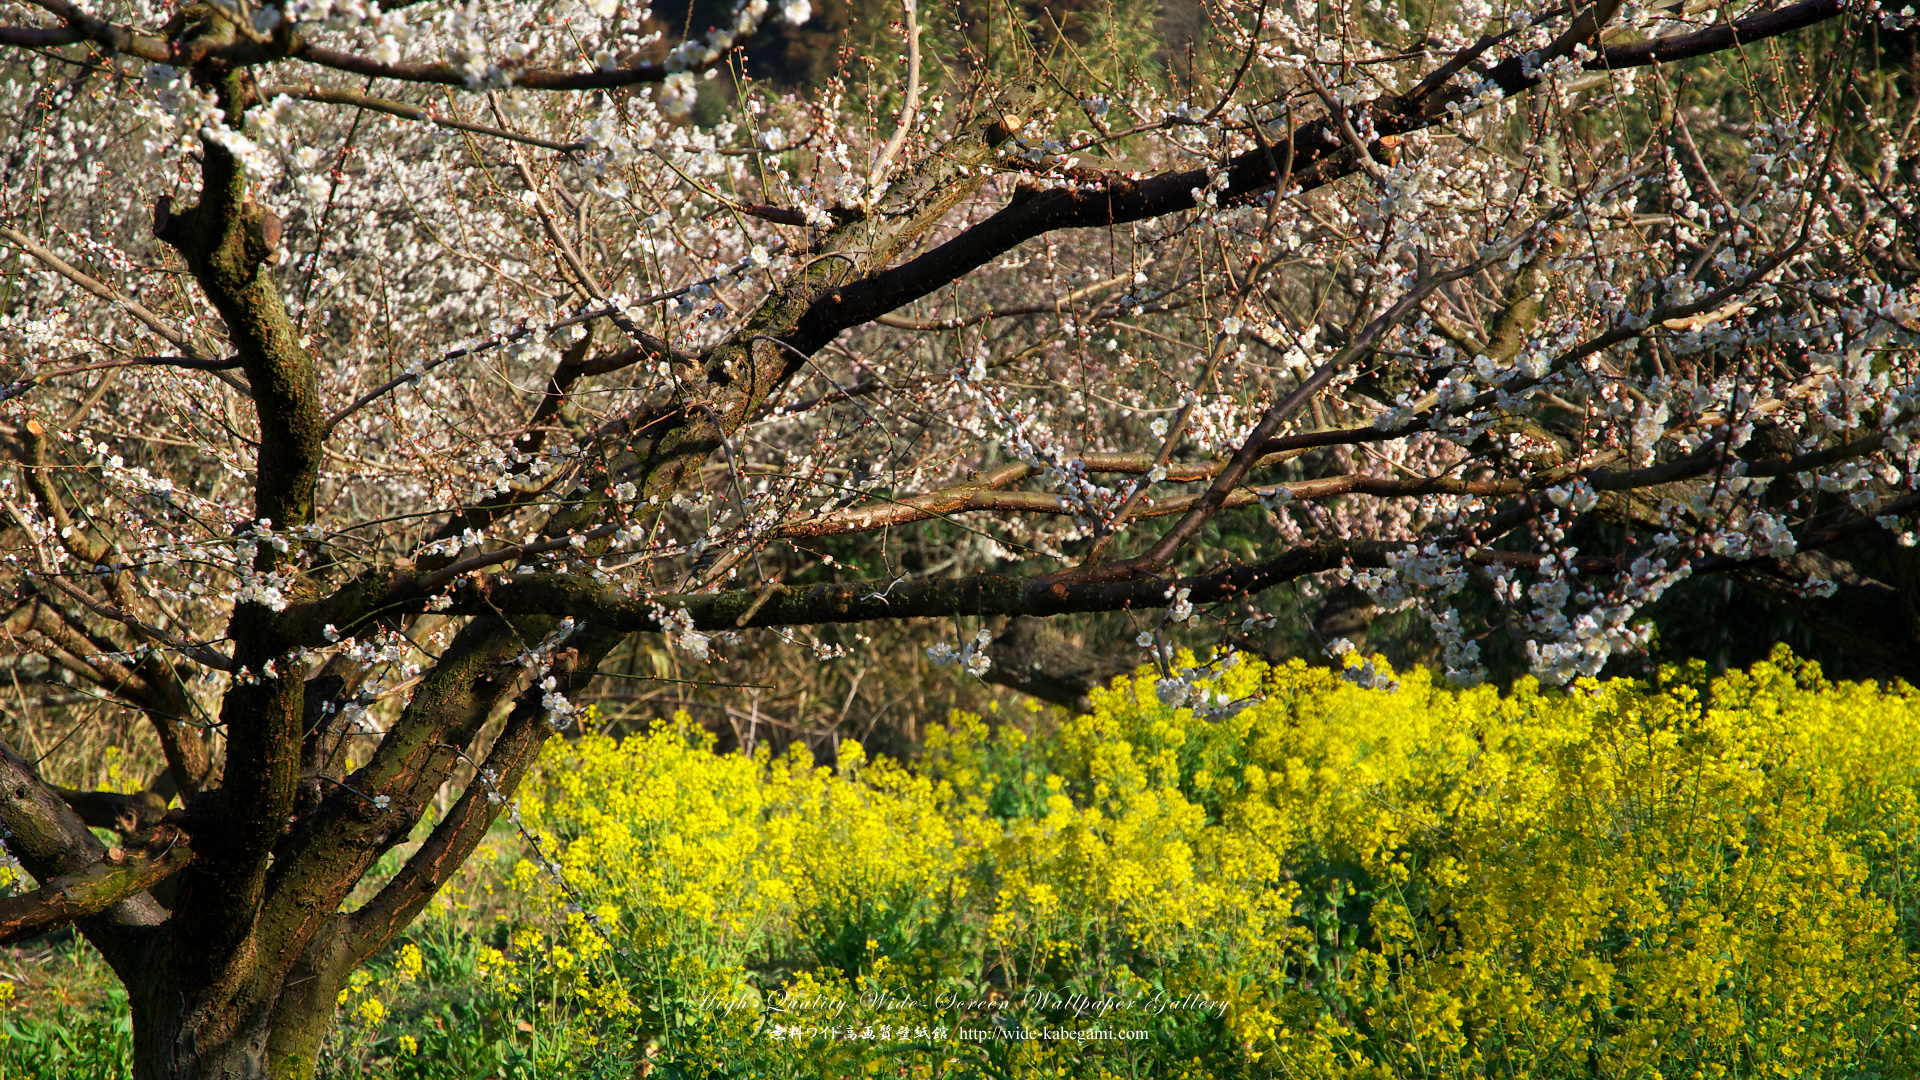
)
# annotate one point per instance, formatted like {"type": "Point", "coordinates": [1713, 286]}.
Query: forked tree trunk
{"type": "Point", "coordinates": [238, 979]}
{"type": "Point", "coordinates": [179, 1034]}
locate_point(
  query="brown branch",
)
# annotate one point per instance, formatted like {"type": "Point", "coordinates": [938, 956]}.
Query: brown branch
{"type": "Point", "coordinates": [574, 365]}
{"type": "Point", "coordinates": [77, 652]}
{"type": "Point", "coordinates": [779, 215]}
{"type": "Point", "coordinates": [909, 110]}
{"type": "Point", "coordinates": [984, 493]}
{"type": "Point", "coordinates": [1057, 307]}
{"type": "Point", "coordinates": [75, 540]}
{"type": "Point", "coordinates": [112, 36]}
{"type": "Point", "coordinates": [980, 493]}
{"type": "Point", "coordinates": [100, 289]}
{"type": "Point", "coordinates": [998, 594]}
{"type": "Point", "coordinates": [52, 843]}
{"type": "Point", "coordinates": [201, 654]}
{"type": "Point", "coordinates": [350, 826]}
{"type": "Point", "coordinates": [661, 450]}
{"type": "Point", "coordinates": [406, 111]}
{"type": "Point", "coordinates": [1460, 61]}
{"type": "Point", "coordinates": [466, 823]}
{"type": "Point", "coordinates": [224, 239]}
{"type": "Point", "coordinates": [588, 284]}
{"type": "Point", "coordinates": [397, 381]}
{"type": "Point", "coordinates": [569, 257]}
{"type": "Point", "coordinates": [1521, 312]}
{"type": "Point", "coordinates": [408, 592]}
{"type": "Point", "coordinates": [1709, 460]}
{"type": "Point", "coordinates": [155, 688]}
{"type": "Point", "coordinates": [43, 832]}
{"type": "Point", "coordinates": [995, 594]}
{"type": "Point", "coordinates": [118, 876]}
{"type": "Point", "coordinates": [34, 37]}
{"type": "Point", "coordinates": [1178, 472]}
{"type": "Point", "coordinates": [633, 73]}
{"type": "Point", "coordinates": [844, 602]}
{"type": "Point", "coordinates": [114, 810]}
{"type": "Point", "coordinates": [291, 45]}
{"type": "Point", "coordinates": [1317, 152]}
{"type": "Point", "coordinates": [1743, 31]}
{"type": "Point", "coordinates": [1254, 446]}
{"type": "Point", "coordinates": [446, 75]}
{"type": "Point", "coordinates": [193, 359]}
{"type": "Point", "coordinates": [1677, 317]}
{"type": "Point", "coordinates": [187, 363]}
{"type": "Point", "coordinates": [159, 691]}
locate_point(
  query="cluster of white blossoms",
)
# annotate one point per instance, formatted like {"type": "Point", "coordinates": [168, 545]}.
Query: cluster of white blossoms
{"type": "Point", "coordinates": [971, 655]}
{"type": "Point", "coordinates": [1193, 688]}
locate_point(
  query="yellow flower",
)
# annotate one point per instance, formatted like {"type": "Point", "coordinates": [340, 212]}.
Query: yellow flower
{"type": "Point", "coordinates": [1454, 882]}
{"type": "Point", "coordinates": [410, 962]}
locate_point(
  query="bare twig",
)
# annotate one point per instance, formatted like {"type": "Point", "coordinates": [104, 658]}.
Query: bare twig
{"type": "Point", "coordinates": [909, 111]}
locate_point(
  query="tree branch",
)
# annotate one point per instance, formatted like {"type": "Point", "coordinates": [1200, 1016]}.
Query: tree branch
{"type": "Point", "coordinates": [1254, 445]}
{"type": "Point", "coordinates": [111, 36]}
{"type": "Point", "coordinates": [34, 37]}
{"type": "Point", "coordinates": [1316, 151]}
{"type": "Point", "coordinates": [467, 822]}
{"type": "Point", "coordinates": [446, 75]}
{"type": "Point", "coordinates": [164, 696]}
{"type": "Point", "coordinates": [406, 111]}
{"type": "Point", "coordinates": [1742, 31]}
{"type": "Point", "coordinates": [198, 653]}
{"type": "Point", "coordinates": [127, 814]}
{"type": "Point", "coordinates": [118, 876]}
{"type": "Point", "coordinates": [909, 110]}
{"type": "Point", "coordinates": [76, 651]}
{"type": "Point", "coordinates": [984, 493]}
{"type": "Point", "coordinates": [998, 594]}
{"type": "Point", "coordinates": [329, 849]}
{"type": "Point", "coordinates": [52, 843]}
{"type": "Point", "coordinates": [223, 239]}
{"type": "Point", "coordinates": [1057, 307]}
{"type": "Point", "coordinates": [664, 449]}
{"type": "Point", "coordinates": [218, 368]}
{"type": "Point", "coordinates": [630, 356]}
{"type": "Point", "coordinates": [193, 359]}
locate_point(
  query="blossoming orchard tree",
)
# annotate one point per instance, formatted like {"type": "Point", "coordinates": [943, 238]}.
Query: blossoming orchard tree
{"type": "Point", "coordinates": [374, 369]}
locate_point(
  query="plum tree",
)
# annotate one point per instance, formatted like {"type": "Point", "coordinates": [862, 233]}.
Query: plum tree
{"type": "Point", "coordinates": [374, 367]}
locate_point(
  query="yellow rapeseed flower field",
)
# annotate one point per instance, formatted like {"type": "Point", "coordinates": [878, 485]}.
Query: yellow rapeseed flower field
{"type": "Point", "coordinates": [1308, 878]}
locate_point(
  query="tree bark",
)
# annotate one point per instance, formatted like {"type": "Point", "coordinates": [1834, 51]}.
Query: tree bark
{"type": "Point", "coordinates": [1038, 660]}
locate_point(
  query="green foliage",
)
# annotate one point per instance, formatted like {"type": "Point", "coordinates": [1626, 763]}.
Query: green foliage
{"type": "Point", "coordinates": [1688, 877]}
{"type": "Point", "coordinates": [70, 1043]}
